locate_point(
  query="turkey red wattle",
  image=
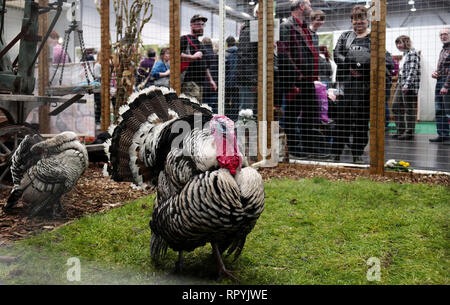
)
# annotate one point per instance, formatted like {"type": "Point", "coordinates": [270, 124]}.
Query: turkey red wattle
{"type": "Point", "coordinates": [227, 151]}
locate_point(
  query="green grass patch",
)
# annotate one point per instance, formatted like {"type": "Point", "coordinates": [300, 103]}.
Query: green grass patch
{"type": "Point", "coordinates": [312, 231]}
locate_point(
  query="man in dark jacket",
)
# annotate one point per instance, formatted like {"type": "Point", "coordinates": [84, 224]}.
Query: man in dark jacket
{"type": "Point", "coordinates": [298, 67]}
{"type": "Point", "coordinates": [247, 67]}
{"type": "Point", "coordinates": [192, 51]}
{"type": "Point", "coordinates": [231, 88]}
{"type": "Point", "coordinates": [442, 91]}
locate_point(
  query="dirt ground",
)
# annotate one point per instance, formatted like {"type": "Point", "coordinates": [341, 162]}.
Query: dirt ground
{"type": "Point", "coordinates": [95, 193]}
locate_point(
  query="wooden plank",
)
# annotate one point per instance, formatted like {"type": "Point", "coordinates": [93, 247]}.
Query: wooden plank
{"type": "Point", "coordinates": [66, 104]}
{"type": "Point", "coordinates": [64, 90]}
{"type": "Point", "coordinates": [33, 98]}
{"type": "Point", "coordinates": [43, 72]}
{"type": "Point", "coordinates": [175, 53]}
{"type": "Point", "coordinates": [95, 147]}
{"type": "Point", "coordinates": [105, 54]}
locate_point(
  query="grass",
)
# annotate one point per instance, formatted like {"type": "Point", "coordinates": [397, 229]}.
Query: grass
{"type": "Point", "coordinates": [313, 231]}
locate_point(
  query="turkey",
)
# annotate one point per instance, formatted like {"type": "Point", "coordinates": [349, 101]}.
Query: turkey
{"type": "Point", "coordinates": [206, 193]}
{"type": "Point", "coordinates": [44, 170]}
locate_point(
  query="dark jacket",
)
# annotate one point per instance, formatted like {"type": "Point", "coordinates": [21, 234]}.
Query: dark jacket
{"type": "Point", "coordinates": [443, 66]}
{"type": "Point", "coordinates": [344, 64]}
{"type": "Point", "coordinates": [298, 59]}
{"type": "Point", "coordinates": [144, 70]}
{"type": "Point", "coordinates": [196, 72]}
{"type": "Point", "coordinates": [247, 72]}
{"type": "Point", "coordinates": [340, 54]}
{"type": "Point", "coordinates": [213, 64]}
{"type": "Point", "coordinates": [325, 70]}
{"type": "Point", "coordinates": [231, 58]}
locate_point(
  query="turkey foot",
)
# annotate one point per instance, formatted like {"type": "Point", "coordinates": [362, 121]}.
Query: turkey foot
{"type": "Point", "coordinates": [222, 269]}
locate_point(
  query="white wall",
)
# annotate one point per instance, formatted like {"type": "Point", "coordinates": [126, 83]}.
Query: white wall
{"type": "Point", "coordinates": [424, 39]}
{"type": "Point", "coordinates": [156, 31]}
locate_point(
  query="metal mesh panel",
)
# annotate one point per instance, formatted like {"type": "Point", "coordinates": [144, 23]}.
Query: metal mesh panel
{"type": "Point", "coordinates": [336, 127]}
{"type": "Point", "coordinates": [419, 113]}
{"type": "Point", "coordinates": [321, 85]}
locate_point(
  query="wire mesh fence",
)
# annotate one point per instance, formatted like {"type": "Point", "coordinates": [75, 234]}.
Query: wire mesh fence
{"type": "Point", "coordinates": [321, 70]}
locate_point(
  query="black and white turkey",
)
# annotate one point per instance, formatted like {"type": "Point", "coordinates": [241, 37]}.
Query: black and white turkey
{"type": "Point", "coordinates": [205, 194]}
{"type": "Point", "coordinates": [44, 170]}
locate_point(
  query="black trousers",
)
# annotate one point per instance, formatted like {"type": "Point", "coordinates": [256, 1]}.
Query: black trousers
{"type": "Point", "coordinates": [232, 103]}
{"type": "Point", "coordinates": [352, 119]}
{"type": "Point", "coordinates": [304, 104]}
{"type": "Point", "coordinates": [97, 107]}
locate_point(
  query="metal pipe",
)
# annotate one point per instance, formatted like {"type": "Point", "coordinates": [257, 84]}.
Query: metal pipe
{"type": "Point", "coordinates": [221, 84]}
{"type": "Point", "coordinates": [264, 88]}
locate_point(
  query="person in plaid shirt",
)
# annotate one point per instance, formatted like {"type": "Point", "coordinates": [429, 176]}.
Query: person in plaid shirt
{"type": "Point", "coordinates": [405, 101]}
{"type": "Point", "coordinates": [442, 96]}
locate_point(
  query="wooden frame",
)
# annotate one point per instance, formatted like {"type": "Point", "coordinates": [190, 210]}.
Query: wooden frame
{"type": "Point", "coordinates": [105, 65]}
{"type": "Point", "coordinates": [377, 88]}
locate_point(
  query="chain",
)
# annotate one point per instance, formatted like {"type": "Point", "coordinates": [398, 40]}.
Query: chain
{"type": "Point", "coordinates": [66, 39]}
{"type": "Point", "coordinates": [83, 54]}
{"type": "Point", "coordinates": [66, 46]}
{"type": "Point", "coordinates": [86, 65]}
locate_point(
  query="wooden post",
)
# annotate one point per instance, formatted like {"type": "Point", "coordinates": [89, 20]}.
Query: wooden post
{"type": "Point", "coordinates": [377, 88]}
{"type": "Point", "coordinates": [270, 72]}
{"type": "Point", "coordinates": [43, 72]}
{"type": "Point", "coordinates": [268, 29]}
{"type": "Point", "coordinates": [175, 59]}
{"type": "Point", "coordinates": [260, 73]}
{"type": "Point", "coordinates": [105, 65]}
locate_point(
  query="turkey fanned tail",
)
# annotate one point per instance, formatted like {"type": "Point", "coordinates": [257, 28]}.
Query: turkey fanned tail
{"type": "Point", "coordinates": [141, 140]}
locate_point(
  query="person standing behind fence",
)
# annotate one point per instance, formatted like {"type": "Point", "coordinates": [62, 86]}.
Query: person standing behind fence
{"type": "Point", "coordinates": [192, 55]}
{"type": "Point", "coordinates": [325, 77]}
{"type": "Point", "coordinates": [352, 56]}
{"type": "Point", "coordinates": [247, 68]}
{"type": "Point", "coordinates": [58, 54]}
{"type": "Point", "coordinates": [97, 95]}
{"type": "Point", "coordinates": [405, 101]}
{"type": "Point", "coordinates": [298, 61]}
{"type": "Point", "coordinates": [161, 70]}
{"type": "Point", "coordinates": [442, 91]}
{"type": "Point", "coordinates": [143, 73]}
{"type": "Point", "coordinates": [210, 96]}
{"type": "Point", "coordinates": [317, 19]}
{"type": "Point", "coordinates": [231, 88]}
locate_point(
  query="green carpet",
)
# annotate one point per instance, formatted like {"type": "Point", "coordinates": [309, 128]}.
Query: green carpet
{"type": "Point", "coordinates": [421, 128]}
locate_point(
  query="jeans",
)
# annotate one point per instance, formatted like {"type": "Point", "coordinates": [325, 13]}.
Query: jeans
{"type": "Point", "coordinates": [404, 109]}
{"type": "Point", "coordinates": [442, 108]}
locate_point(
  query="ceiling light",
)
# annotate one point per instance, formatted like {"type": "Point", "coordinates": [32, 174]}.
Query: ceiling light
{"type": "Point", "coordinates": [413, 9]}
{"type": "Point", "coordinates": [251, 3]}
{"type": "Point", "coordinates": [367, 4]}
{"type": "Point", "coordinates": [411, 2]}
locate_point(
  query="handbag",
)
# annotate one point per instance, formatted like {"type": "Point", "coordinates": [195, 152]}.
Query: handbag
{"type": "Point", "coordinates": [185, 64]}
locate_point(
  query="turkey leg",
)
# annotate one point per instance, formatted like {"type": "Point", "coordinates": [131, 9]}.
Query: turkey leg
{"type": "Point", "coordinates": [179, 263]}
{"type": "Point", "coordinates": [222, 269]}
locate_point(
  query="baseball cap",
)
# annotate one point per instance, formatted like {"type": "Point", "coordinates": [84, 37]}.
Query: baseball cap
{"type": "Point", "coordinates": [198, 17]}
